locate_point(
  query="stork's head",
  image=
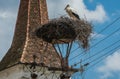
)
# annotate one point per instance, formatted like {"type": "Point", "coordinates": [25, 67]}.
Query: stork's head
{"type": "Point", "coordinates": [67, 6]}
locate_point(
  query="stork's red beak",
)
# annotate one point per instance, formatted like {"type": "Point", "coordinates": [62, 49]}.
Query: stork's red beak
{"type": "Point", "coordinates": [65, 8]}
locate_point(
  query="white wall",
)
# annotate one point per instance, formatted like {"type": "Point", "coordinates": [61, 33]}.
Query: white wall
{"type": "Point", "coordinates": [11, 73]}
{"type": "Point", "coordinates": [22, 72]}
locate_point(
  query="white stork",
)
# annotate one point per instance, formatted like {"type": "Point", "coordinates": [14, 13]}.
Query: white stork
{"type": "Point", "coordinates": [72, 13]}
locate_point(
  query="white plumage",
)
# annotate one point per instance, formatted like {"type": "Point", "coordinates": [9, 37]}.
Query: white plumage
{"type": "Point", "coordinates": [71, 12]}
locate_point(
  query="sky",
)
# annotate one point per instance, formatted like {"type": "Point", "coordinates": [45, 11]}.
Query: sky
{"type": "Point", "coordinates": [104, 51]}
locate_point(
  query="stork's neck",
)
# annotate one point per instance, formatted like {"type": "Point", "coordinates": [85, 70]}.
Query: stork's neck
{"type": "Point", "coordinates": [68, 8]}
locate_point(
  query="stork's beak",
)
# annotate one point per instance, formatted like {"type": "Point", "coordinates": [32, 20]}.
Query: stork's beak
{"type": "Point", "coordinates": [65, 8]}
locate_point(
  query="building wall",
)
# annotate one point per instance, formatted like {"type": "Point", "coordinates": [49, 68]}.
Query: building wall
{"type": "Point", "coordinates": [23, 72]}
{"type": "Point", "coordinates": [11, 73]}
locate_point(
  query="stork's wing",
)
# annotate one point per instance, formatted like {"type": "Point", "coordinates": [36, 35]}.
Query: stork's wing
{"type": "Point", "coordinates": [76, 15]}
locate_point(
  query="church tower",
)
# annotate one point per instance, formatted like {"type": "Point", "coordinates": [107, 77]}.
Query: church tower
{"type": "Point", "coordinates": [26, 47]}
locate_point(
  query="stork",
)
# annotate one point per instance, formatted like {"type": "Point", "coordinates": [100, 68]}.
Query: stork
{"type": "Point", "coordinates": [72, 13]}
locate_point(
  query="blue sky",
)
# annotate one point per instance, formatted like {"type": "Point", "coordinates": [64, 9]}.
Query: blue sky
{"type": "Point", "coordinates": [99, 12]}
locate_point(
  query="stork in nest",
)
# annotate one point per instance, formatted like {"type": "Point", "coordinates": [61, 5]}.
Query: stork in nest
{"type": "Point", "coordinates": [71, 12]}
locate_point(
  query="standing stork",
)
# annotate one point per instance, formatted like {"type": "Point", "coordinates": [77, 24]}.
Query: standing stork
{"type": "Point", "coordinates": [72, 13]}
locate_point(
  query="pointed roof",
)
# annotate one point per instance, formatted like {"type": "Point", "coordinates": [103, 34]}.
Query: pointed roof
{"type": "Point", "coordinates": [32, 13]}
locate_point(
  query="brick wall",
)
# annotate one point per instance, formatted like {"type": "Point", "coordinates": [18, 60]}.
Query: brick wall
{"type": "Point", "coordinates": [32, 13]}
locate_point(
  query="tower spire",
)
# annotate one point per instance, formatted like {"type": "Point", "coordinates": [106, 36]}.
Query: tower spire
{"type": "Point", "coordinates": [32, 13]}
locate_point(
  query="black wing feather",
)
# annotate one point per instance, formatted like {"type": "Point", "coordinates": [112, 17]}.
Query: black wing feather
{"type": "Point", "coordinates": [76, 15]}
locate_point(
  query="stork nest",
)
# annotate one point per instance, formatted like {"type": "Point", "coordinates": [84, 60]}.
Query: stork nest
{"type": "Point", "coordinates": [65, 30]}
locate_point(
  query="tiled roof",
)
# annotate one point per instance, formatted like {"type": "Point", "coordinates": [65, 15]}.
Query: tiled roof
{"type": "Point", "coordinates": [32, 13]}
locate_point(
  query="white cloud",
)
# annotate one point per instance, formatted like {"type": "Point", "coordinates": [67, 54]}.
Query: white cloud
{"type": "Point", "coordinates": [111, 65]}
{"type": "Point", "coordinates": [6, 15]}
{"type": "Point", "coordinates": [116, 13]}
{"type": "Point", "coordinates": [117, 33]}
{"type": "Point", "coordinates": [97, 15]}
{"type": "Point", "coordinates": [7, 24]}
{"type": "Point", "coordinates": [96, 35]}
{"type": "Point", "coordinates": [91, 1]}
